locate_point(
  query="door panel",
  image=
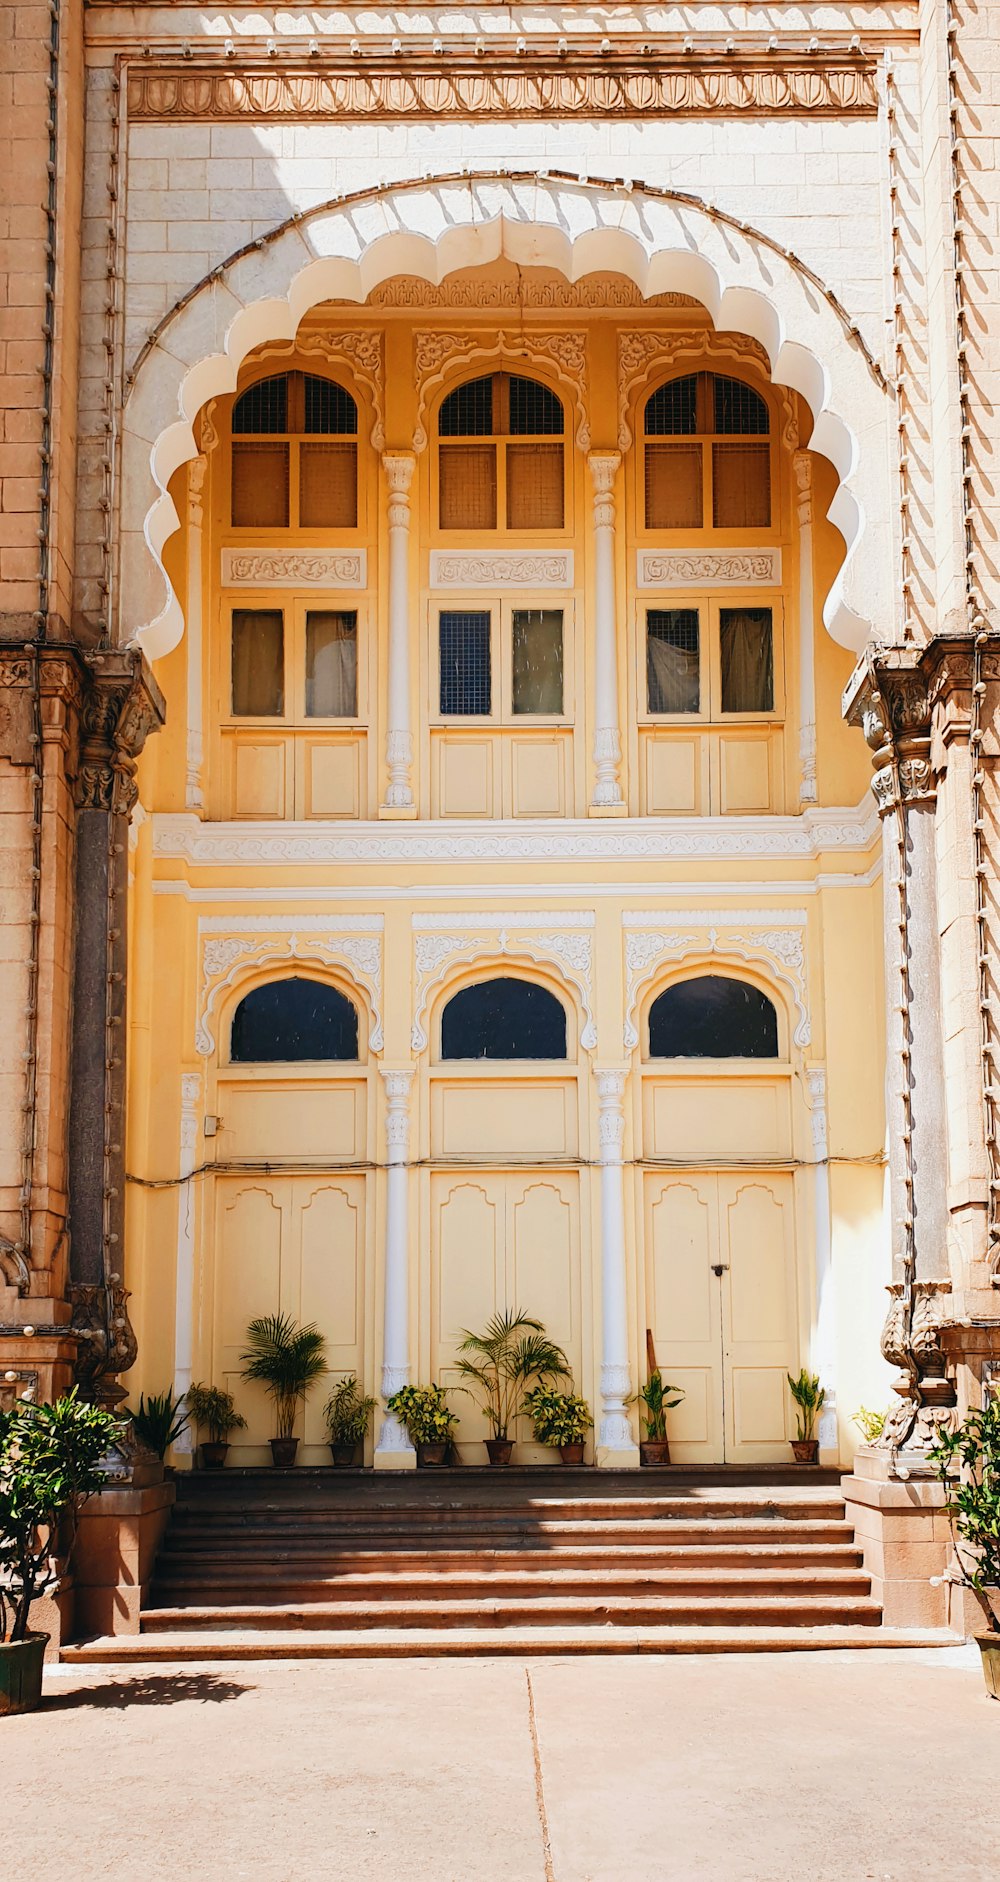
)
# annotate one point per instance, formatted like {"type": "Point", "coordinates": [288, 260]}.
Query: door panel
{"type": "Point", "coordinates": [681, 1242]}
{"type": "Point", "coordinates": [758, 1312]}
{"type": "Point", "coordinates": [250, 1239]}
{"type": "Point", "coordinates": [330, 1221]}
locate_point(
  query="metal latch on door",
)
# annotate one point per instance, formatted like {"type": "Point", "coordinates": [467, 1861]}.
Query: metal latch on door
{"type": "Point", "coordinates": [720, 1268]}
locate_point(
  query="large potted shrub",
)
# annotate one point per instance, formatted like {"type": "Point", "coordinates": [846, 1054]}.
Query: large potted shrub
{"type": "Point", "coordinates": [348, 1414]}
{"type": "Point", "coordinates": [500, 1365]}
{"type": "Point", "coordinates": [214, 1411]}
{"type": "Point", "coordinates": [967, 1460]}
{"type": "Point", "coordinates": [809, 1397]}
{"type": "Point", "coordinates": [655, 1401]}
{"type": "Point", "coordinates": [559, 1420]}
{"type": "Point", "coordinates": [427, 1419]}
{"type": "Point", "coordinates": [159, 1421]}
{"type": "Point", "coordinates": [50, 1462]}
{"type": "Point", "coordinates": [286, 1360]}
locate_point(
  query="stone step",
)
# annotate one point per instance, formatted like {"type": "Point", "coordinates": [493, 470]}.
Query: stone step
{"type": "Point", "coordinates": [395, 1586]}
{"type": "Point", "coordinates": [490, 1532]}
{"type": "Point", "coordinates": [776, 1505]}
{"type": "Point", "coordinates": [306, 1556]}
{"type": "Point", "coordinates": [595, 1610]}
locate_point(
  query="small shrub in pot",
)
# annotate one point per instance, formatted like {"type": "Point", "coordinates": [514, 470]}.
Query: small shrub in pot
{"type": "Point", "coordinates": [967, 1460]}
{"type": "Point", "coordinates": [559, 1420]}
{"type": "Point", "coordinates": [348, 1414]}
{"type": "Point", "coordinates": [159, 1421]}
{"type": "Point", "coordinates": [655, 1401]}
{"type": "Point", "coordinates": [214, 1411]}
{"type": "Point", "coordinates": [427, 1419]}
{"type": "Point", "coordinates": [810, 1398]}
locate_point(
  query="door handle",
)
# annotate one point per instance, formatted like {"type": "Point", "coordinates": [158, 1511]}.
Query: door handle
{"type": "Point", "coordinates": [720, 1268]}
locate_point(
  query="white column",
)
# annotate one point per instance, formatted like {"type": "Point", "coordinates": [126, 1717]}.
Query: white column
{"type": "Point", "coordinates": [603, 467]}
{"type": "Point", "coordinates": [807, 630]}
{"type": "Point", "coordinates": [193, 795]}
{"type": "Point", "coordinates": [184, 1284]}
{"type": "Point", "coordinates": [394, 1450]}
{"type": "Point", "coordinates": [399, 467]}
{"type": "Point", "coordinates": [823, 1356]}
{"type": "Point", "coordinates": [616, 1445]}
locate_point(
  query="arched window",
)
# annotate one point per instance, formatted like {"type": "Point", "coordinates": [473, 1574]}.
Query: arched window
{"type": "Point", "coordinates": [707, 455]}
{"type": "Point", "coordinates": [503, 1019]}
{"type": "Point", "coordinates": [293, 1019]}
{"type": "Point", "coordinates": [282, 475]}
{"type": "Point", "coordinates": [500, 456]}
{"type": "Point", "coordinates": [713, 1017]}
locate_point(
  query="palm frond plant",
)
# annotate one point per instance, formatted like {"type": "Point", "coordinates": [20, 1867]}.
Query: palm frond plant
{"type": "Point", "coordinates": [348, 1414]}
{"type": "Point", "coordinates": [286, 1360]}
{"type": "Point", "coordinates": [809, 1397]}
{"type": "Point", "coordinates": [500, 1364]}
{"type": "Point", "coordinates": [159, 1421]}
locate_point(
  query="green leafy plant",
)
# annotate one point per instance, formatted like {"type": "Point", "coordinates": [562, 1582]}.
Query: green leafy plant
{"type": "Point", "coordinates": [159, 1421]}
{"type": "Point", "coordinates": [871, 1424]}
{"type": "Point", "coordinates": [557, 1417]}
{"type": "Point", "coordinates": [513, 1350]}
{"type": "Point", "coordinates": [50, 1462]}
{"type": "Point", "coordinates": [348, 1412]}
{"type": "Point", "coordinates": [967, 1460]}
{"type": "Point", "coordinates": [655, 1401]}
{"type": "Point", "coordinates": [214, 1411]}
{"type": "Point", "coordinates": [287, 1360]}
{"type": "Point", "coordinates": [810, 1398]}
{"type": "Point", "coordinates": [423, 1413]}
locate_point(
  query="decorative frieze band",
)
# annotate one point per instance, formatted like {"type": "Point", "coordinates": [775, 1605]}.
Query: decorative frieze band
{"type": "Point", "coordinates": [542, 87]}
{"type": "Point", "coordinates": [730, 568]}
{"type": "Point", "coordinates": [506, 568]}
{"type": "Point", "coordinates": [294, 568]}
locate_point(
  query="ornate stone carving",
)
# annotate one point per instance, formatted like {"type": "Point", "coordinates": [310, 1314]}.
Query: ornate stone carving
{"type": "Point", "coordinates": [120, 708]}
{"type": "Point", "coordinates": [357, 351]}
{"type": "Point", "coordinates": [579, 85]}
{"type": "Point", "coordinates": [255, 941]}
{"type": "Point", "coordinates": [443, 943]}
{"type": "Point", "coordinates": [685, 568]}
{"type": "Point", "coordinates": [434, 351]}
{"type": "Point", "coordinates": [294, 568]}
{"type": "Point", "coordinates": [106, 1340]}
{"type": "Point", "coordinates": [521, 291]}
{"type": "Point", "coordinates": [731, 934]}
{"type": "Point", "coordinates": [643, 352]}
{"type": "Point", "coordinates": [504, 568]}
{"type": "Point", "coordinates": [911, 1339]}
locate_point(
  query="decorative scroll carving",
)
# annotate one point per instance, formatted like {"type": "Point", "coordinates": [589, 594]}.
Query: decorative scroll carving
{"type": "Point", "coordinates": [262, 940]}
{"type": "Point", "coordinates": [513, 936]}
{"type": "Point", "coordinates": [434, 352]}
{"type": "Point", "coordinates": [300, 568]}
{"type": "Point", "coordinates": [106, 1339]}
{"type": "Point", "coordinates": [911, 1339]}
{"type": "Point", "coordinates": [506, 568]}
{"type": "Point", "coordinates": [521, 291]}
{"type": "Point", "coordinates": [687, 568]}
{"type": "Point", "coordinates": [578, 86]}
{"type": "Point", "coordinates": [642, 352]}
{"type": "Point", "coordinates": [358, 352]}
{"type": "Point", "coordinates": [733, 935]}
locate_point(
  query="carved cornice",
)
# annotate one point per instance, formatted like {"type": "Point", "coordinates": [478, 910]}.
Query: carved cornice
{"type": "Point", "coordinates": [497, 86]}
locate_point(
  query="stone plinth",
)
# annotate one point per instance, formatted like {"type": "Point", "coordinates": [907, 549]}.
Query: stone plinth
{"type": "Point", "coordinates": [119, 1534]}
{"type": "Point", "coordinates": [903, 1531]}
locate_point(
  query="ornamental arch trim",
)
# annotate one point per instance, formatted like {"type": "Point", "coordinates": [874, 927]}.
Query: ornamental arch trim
{"type": "Point", "coordinates": [657, 956]}
{"type": "Point", "coordinates": [234, 963]}
{"type": "Point", "coordinates": [661, 240]}
{"type": "Point", "coordinates": [447, 959]}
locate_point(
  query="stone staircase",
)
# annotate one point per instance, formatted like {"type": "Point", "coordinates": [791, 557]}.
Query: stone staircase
{"type": "Point", "coordinates": [316, 1563]}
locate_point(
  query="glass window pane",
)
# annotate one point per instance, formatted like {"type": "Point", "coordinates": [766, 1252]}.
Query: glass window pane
{"type": "Point", "coordinates": [263, 407]}
{"type": "Point", "coordinates": [738, 408]}
{"type": "Point", "coordinates": [466, 680]}
{"type": "Point", "coordinates": [673, 681]}
{"type": "Point", "coordinates": [258, 663]}
{"type": "Point", "coordinates": [673, 486]}
{"type": "Point", "coordinates": [535, 486]}
{"type": "Point", "coordinates": [328, 486]}
{"type": "Point", "coordinates": [328, 407]}
{"type": "Point", "coordinates": [534, 410]}
{"type": "Point", "coordinates": [741, 486]}
{"type": "Point", "coordinates": [747, 657]}
{"type": "Point", "coordinates": [331, 665]}
{"type": "Point", "coordinates": [504, 1019]}
{"type": "Point", "coordinates": [673, 409]}
{"type": "Point", "coordinates": [293, 1019]}
{"type": "Point", "coordinates": [713, 1017]}
{"type": "Point", "coordinates": [468, 486]}
{"type": "Point", "coordinates": [468, 411]}
{"type": "Point", "coordinates": [260, 486]}
{"type": "Point", "coordinates": [538, 660]}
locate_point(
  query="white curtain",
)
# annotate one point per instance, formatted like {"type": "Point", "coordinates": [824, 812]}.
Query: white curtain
{"type": "Point", "coordinates": [331, 666]}
{"type": "Point", "coordinates": [747, 660]}
{"type": "Point", "coordinates": [671, 676]}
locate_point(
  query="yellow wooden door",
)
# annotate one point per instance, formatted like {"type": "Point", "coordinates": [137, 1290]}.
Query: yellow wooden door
{"type": "Point", "coordinates": [684, 1308]}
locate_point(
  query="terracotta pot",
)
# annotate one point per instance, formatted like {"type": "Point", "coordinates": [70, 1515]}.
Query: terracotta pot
{"type": "Point", "coordinates": [572, 1453]}
{"type": "Point", "coordinates": [21, 1673]}
{"type": "Point", "coordinates": [654, 1452]}
{"type": "Point", "coordinates": [500, 1451]}
{"type": "Point", "coordinates": [213, 1455]}
{"type": "Point", "coordinates": [805, 1450]}
{"type": "Point", "coordinates": [343, 1455]}
{"type": "Point", "coordinates": [283, 1452]}
{"type": "Point", "coordinates": [431, 1456]}
{"type": "Point", "coordinates": [989, 1647]}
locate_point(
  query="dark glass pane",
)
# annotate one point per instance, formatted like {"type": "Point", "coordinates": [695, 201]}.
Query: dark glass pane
{"type": "Point", "coordinates": [263, 407]}
{"type": "Point", "coordinates": [466, 688]}
{"type": "Point", "coordinates": [503, 1019]}
{"type": "Point", "coordinates": [672, 660]}
{"type": "Point", "coordinates": [329, 408]}
{"type": "Point", "coordinates": [534, 410]}
{"type": "Point", "coordinates": [293, 1019]}
{"type": "Point", "coordinates": [747, 657]}
{"type": "Point", "coordinates": [673, 409]}
{"type": "Point", "coordinates": [738, 408]}
{"type": "Point", "coordinates": [713, 1018]}
{"type": "Point", "coordinates": [468, 411]}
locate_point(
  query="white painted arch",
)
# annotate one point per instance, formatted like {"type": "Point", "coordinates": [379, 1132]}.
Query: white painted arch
{"type": "Point", "coordinates": [661, 241]}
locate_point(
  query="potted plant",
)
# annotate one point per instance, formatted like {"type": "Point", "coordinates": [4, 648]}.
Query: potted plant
{"type": "Point", "coordinates": [809, 1399]}
{"type": "Point", "coordinates": [427, 1419]}
{"type": "Point", "coordinates": [159, 1421]}
{"type": "Point", "coordinates": [287, 1360]}
{"type": "Point", "coordinates": [871, 1424]}
{"type": "Point", "coordinates": [348, 1413]}
{"type": "Point", "coordinates": [51, 1459]}
{"type": "Point", "coordinates": [513, 1350]}
{"type": "Point", "coordinates": [560, 1420]}
{"type": "Point", "coordinates": [215, 1411]}
{"type": "Point", "coordinates": [654, 1399]}
{"type": "Point", "coordinates": [967, 1460]}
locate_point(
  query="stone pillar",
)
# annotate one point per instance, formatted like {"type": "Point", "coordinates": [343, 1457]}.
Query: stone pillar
{"type": "Point", "coordinates": [823, 1354]}
{"type": "Point", "coordinates": [122, 705]}
{"type": "Point", "coordinates": [193, 793]}
{"type": "Point", "coordinates": [607, 799]}
{"type": "Point", "coordinates": [399, 467]}
{"type": "Point", "coordinates": [802, 463]}
{"type": "Point", "coordinates": [394, 1450]}
{"type": "Point", "coordinates": [616, 1445]}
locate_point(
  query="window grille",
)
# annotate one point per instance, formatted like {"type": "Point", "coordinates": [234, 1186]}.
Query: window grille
{"type": "Point", "coordinates": [535, 486]}
{"type": "Point", "coordinates": [673, 409]}
{"type": "Point", "coordinates": [738, 408]}
{"type": "Point", "coordinates": [260, 486]}
{"type": "Point", "coordinates": [328, 407]}
{"type": "Point", "coordinates": [468, 486]}
{"type": "Point", "coordinates": [331, 664]}
{"type": "Point", "coordinates": [504, 1019]}
{"type": "Point", "coordinates": [674, 498]}
{"type": "Point", "coordinates": [713, 1017]}
{"type": "Point", "coordinates": [328, 486]}
{"type": "Point", "coordinates": [465, 675]}
{"type": "Point", "coordinates": [673, 678]}
{"type": "Point", "coordinates": [741, 486]}
{"type": "Point", "coordinates": [534, 410]}
{"type": "Point", "coordinates": [746, 652]}
{"type": "Point", "coordinates": [258, 675]}
{"type": "Point", "coordinates": [262, 407]}
{"type": "Point", "coordinates": [468, 411]}
{"type": "Point", "coordinates": [537, 661]}
{"type": "Point", "coordinates": [293, 1019]}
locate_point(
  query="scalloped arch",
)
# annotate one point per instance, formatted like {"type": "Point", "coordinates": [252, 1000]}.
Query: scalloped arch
{"type": "Point", "coordinates": [661, 240]}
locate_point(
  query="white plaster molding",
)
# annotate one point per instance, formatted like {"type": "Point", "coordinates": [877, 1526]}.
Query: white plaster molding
{"type": "Point", "coordinates": [698, 934]}
{"type": "Point", "coordinates": [265, 940]}
{"type": "Point", "coordinates": [713, 568]}
{"type": "Point", "coordinates": [501, 568]}
{"type": "Point", "coordinates": [434, 353]}
{"type": "Point", "coordinates": [450, 942]}
{"type": "Point", "coordinates": [644, 354]}
{"type": "Point", "coordinates": [815, 1090]}
{"type": "Point", "coordinates": [519, 918]}
{"type": "Point", "coordinates": [294, 568]}
{"type": "Point", "coordinates": [359, 355]}
{"type": "Point", "coordinates": [185, 1267]}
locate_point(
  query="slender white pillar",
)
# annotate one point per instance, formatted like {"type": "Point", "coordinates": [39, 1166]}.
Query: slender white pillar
{"type": "Point", "coordinates": [193, 794]}
{"type": "Point", "coordinates": [823, 1358]}
{"type": "Point", "coordinates": [399, 467]}
{"type": "Point", "coordinates": [184, 1284]}
{"type": "Point", "coordinates": [394, 1450]}
{"type": "Point", "coordinates": [616, 1445]}
{"type": "Point", "coordinates": [807, 631]}
{"type": "Point", "coordinates": [603, 467]}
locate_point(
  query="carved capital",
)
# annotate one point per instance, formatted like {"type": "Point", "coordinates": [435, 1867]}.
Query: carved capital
{"type": "Point", "coordinates": [121, 707]}
{"type": "Point", "coordinates": [106, 1339]}
{"type": "Point", "coordinates": [399, 467]}
{"type": "Point", "coordinates": [911, 1339]}
{"type": "Point", "coordinates": [603, 467]}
